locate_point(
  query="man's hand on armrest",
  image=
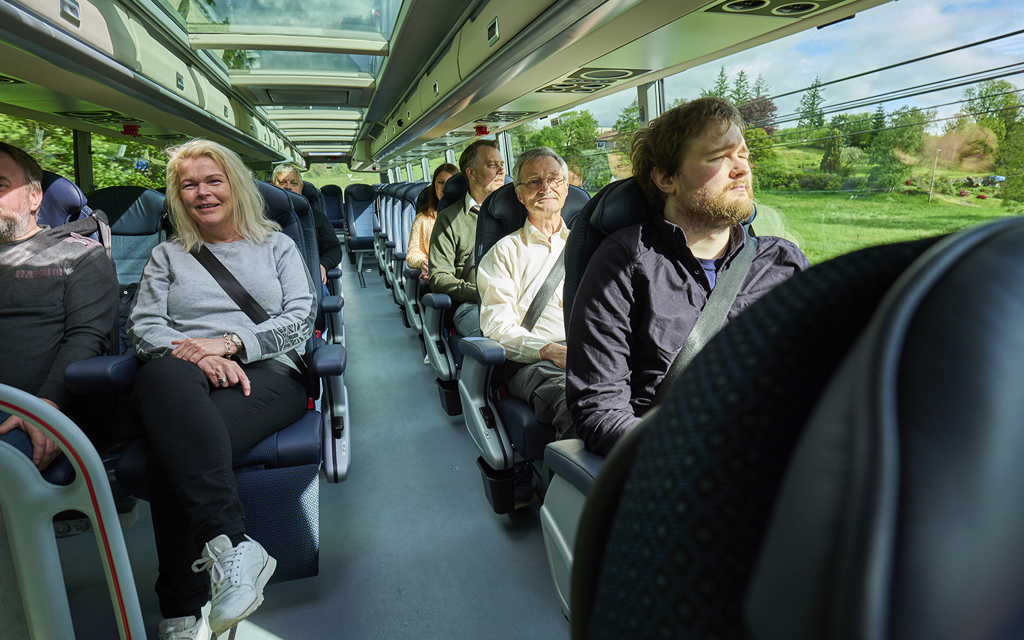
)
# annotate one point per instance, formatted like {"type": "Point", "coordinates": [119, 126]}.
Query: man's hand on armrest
{"type": "Point", "coordinates": [44, 450]}
{"type": "Point", "coordinates": [555, 353]}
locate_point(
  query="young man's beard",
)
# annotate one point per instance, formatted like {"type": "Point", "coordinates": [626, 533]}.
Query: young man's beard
{"type": "Point", "coordinates": [712, 212]}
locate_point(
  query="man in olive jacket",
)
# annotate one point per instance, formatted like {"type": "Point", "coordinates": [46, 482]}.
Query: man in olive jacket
{"type": "Point", "coordinates": [454, 235]}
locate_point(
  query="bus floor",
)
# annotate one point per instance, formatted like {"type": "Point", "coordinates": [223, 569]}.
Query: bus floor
{"type": "Point", "coordinates": [409, 547]}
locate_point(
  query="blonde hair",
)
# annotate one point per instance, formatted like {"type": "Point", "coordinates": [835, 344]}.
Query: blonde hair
{"type": "Point", "coordinates": [248, 203]}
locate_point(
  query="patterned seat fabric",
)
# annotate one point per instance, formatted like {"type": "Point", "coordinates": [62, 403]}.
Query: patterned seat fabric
{"type": "Point", "coordinates": [686, 534]}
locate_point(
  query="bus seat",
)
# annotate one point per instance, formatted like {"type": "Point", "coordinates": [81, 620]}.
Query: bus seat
{"type": "Point", "coordinates": [359, 212]}
{"type": "Point", "coordinates": [438, 318]}
{"type": "Point", "coordinates": [334, 205]}
{"type": "Point", "coordinates": [520, 436]}
{"type": "Point", "coordinates": [900, 514]}
{"type": "Point", "coordinates": [318, 201]}
{"type": "Point", "coordinates": [675, 545]}
{"type": "Point", "coordinates": [29, 504]}
{"type": "Point", "coordinates": [413, 289]}
{"type": "Point", "coordinates": [384, 234]}
{"type": "Point", "coordinates": [397, 265]}
{"type": "Point", "coordinates": [135, 215]}
{"type": "Point", "coordinates": [329, 321]}
{"type": "Point", "coordinates": [62, 203]}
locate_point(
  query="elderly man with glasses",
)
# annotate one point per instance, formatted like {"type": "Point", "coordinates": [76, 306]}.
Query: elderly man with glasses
{"type": "Point", "coordinates": [509, 278]}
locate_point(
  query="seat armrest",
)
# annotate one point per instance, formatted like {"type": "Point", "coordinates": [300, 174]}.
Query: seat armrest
{"type": "Point", "coordinates": [411, 274]}
{"type": "Point", "coordinates": [332, 304]}
{"type": "Point", "coordinates": [329, 360]}
{"type": "Point", "coordinates": [334, 274]}
{"type": "Point", "coordinates": [571, 460]}
{"type": "Point", "coordinates": [102, 374]}
{"type": "Point", "coordinates": [399, 256]}
{"type": "Point", "coordinates": [390, 244]}
{"type": "Point", "coordinates": [487, 352]}
{"type": "Point", "coordinates": [376, 228]}
{"type": "Point", "coordinates": [439, 301]}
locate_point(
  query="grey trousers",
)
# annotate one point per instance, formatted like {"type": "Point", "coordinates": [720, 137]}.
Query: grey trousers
{"type": "Point", "coordinates": [542, 386]}
{"type": "Point", "coordinates": [467, 320]}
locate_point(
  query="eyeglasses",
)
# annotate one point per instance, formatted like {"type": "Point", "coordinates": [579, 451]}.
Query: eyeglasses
{"type": "Point", "coordinates": [535, 183]}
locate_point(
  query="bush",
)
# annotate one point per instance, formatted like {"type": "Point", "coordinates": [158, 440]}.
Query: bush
{"type": "Point", "coordinates": [854, 183]}
{"type": "Point", "coordinates": [770, 177]}
{"type": "Point", "coordinates": [820, 182]}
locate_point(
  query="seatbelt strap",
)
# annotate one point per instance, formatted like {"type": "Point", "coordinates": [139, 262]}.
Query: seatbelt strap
{"type": "Point", "coordinates": [713, 316]}
{"type": "Point", "coordinates": [545, 292]}
{"type": "Point", "coordinates": [244, 300]}
{"type": "Point", "coordinates": [41, 241]}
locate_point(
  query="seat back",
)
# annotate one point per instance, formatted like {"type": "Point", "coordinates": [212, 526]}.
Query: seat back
{"type": "Point", "coordinates": [409, 197]}
{"type": "Point", "coordinates": [136, 218]}
{"type": "Point", "coordinates": [307, 226]}
{"type": "Point", "coordinates": [900, 514]}
{"type": "Point", "coordinates": [63, 201]}
{"type": "Point", "coordinates": [454, 191]}
{"type": "Point", "coordinates": [359, 212]}
{"type": "Point", "coordinates": [334, 204]}
{"type": "Point", "coordinates": [681, 556]}
{"type": "Point", "coordinates": [502, 214]}
{"type": "Point", "coordinates": [313, 196]}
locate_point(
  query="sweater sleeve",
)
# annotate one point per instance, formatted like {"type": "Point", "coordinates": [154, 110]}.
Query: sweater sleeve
{"type": "Point", "coordinates": [90, 308]}
{"type": "Point", "coordinates": [149, 324]}
{"type": "Point", "coordinates": [294, 326]}
{"type": "Point", "coordinates": [327, 241]}
{"type": "Point", "coordinates": [420, 242]}
{"type": "Point", "coordinates": [598, 350]}
{"type": "Point", "coordinates": [444, 243]}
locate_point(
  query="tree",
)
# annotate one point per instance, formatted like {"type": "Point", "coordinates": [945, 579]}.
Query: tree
{"type": "Point", "coordinates": [721, 88]}
{"type": "Point", "coordinates": [904, 134]}
{"type": "Point", "coordinates": [761, 88]}
{"type": "Point", "coordinates": [760, 113]}
{"type": "Point", "coordinates": [832, 161]}
{"type": "Point", "coordinates": [740, 89]}
{"type": "Point", "coordinates": [855, 128]}
{"type": "Point", "coordinates": [994, 104]}
{"type": "Point", "coordinates": [811, 106]}
{"type": "Point", "coordinates": [1009, 164]}
{"type": "Point", "coordinates": [760, 146]}
{"type": "Point", "coordinates": [628, 119]}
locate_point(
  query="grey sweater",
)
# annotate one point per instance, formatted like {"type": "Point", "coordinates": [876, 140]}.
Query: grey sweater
{"type": "Point", "coordinates": [178, 299]}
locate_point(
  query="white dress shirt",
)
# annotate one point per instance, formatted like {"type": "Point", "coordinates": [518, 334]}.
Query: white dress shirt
{"type": "Point", "coordinates": [509, 276]}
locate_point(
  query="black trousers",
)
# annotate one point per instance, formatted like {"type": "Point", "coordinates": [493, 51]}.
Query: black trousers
{"type": "Point", "coordinates": [195, 431]}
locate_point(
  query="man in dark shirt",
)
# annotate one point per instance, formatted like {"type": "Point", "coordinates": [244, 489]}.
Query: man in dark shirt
{"type": "Point", "coordinates": [646, 285]}
{"type": "Point", "coordinates": [328, 246]}
{"type": "Point", "coordinates": [58, 301]}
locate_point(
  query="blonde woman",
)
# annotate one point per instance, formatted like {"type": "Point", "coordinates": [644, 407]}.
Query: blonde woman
{"type": "Point", "coordinates": [215, 383]}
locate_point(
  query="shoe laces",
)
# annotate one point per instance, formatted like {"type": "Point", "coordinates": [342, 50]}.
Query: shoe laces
{"type": "Point", "coordinates": [222, 566]}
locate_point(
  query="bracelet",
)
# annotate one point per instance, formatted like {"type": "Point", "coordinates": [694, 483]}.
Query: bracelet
{"type": "Point", "coordinates": [228, 343]}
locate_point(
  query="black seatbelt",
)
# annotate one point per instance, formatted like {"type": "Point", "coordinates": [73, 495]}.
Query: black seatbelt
{"type": "Point", "coordinates": [245, 302]}
{"type": "Point", "coordinates": [713, 316]}
{"type": "Point", "coordinates": [42, 241]}
{"type": "Point", "coordinates": [545, 292]}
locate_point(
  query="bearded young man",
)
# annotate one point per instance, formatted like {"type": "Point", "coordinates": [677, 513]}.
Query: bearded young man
{"type": "Point", "coordinates": [58, 301]}
{"type": "Point", "coordinates": [646, 285]}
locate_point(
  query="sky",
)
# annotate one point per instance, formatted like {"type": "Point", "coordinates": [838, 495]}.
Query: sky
{"type": "Point", "coordinates": [887, 34]}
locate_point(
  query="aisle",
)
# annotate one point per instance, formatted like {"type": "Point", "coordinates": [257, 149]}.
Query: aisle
{"type": "Point", "coordinates": [409, 547]}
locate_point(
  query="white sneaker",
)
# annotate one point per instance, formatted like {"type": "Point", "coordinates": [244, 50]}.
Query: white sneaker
{"type": "Point", "coordinates": [186, 628]}
{"type": "Point", "coordinates": [237, 576]}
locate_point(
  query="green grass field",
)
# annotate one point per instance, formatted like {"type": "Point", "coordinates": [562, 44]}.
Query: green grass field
{"type": "Point", "coordinates": [828, 224]}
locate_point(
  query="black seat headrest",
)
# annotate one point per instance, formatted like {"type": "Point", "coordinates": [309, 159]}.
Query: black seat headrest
{"type": "Point", "coordinates": [279, 205]}
{"type": "Point", "coordinates": [502, 213]}
{"type": "Point", "coordinates": [411, 191]}
{"type": "Point", "coordinates": [454, 191]}
{"type": "Point", "coordinates": [130, 211]}
{"type": "Point", "coordinates": [299, 203]}
{"type": "Point", "coordinates": [421, 199]}
{"type": "Point", "coordinates": [360, 192]}
{"type": "Point", "coordinates": [331, 190]}
{"type": "Point", "coordinates": [63, 201]}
